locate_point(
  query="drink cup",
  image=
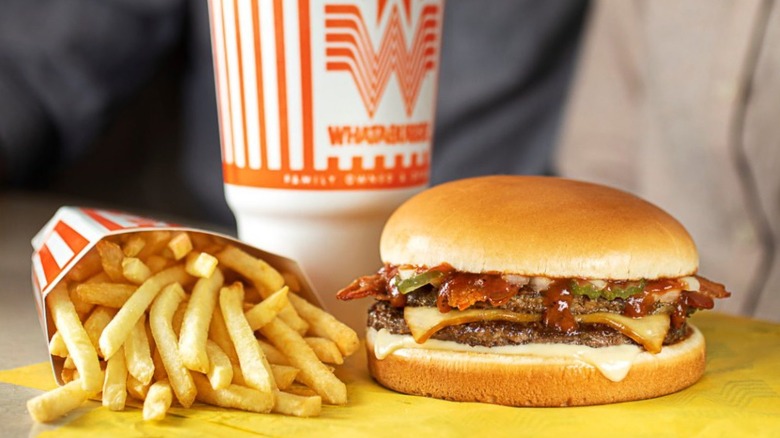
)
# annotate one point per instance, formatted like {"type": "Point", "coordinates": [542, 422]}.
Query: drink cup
{"type": "Point", "coordinates": [326, 112]}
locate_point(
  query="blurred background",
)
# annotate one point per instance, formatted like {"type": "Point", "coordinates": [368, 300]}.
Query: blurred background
{"type": "Point", "coordinates": [111, 103]}
{"type": "Point", "coordinates": [117, 105]}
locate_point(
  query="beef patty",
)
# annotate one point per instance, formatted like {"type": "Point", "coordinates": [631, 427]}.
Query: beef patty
{"type": "Point", "coordinates": [497, 333]}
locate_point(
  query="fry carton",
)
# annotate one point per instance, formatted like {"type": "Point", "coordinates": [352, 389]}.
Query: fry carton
{"type": "Point", "coordinates": [68, 244]}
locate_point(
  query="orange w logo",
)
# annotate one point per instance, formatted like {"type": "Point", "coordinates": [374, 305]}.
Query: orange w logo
{"type": "Point", "coordinates": [349, 48]}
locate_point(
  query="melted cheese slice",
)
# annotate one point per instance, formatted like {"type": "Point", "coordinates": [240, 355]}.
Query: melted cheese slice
{"type": "Point", "coordinates": [648, 331]}
{"type": "Point", "coordinates": [613, 362]}
{"type": "Point", "coordinates": [425, 321]}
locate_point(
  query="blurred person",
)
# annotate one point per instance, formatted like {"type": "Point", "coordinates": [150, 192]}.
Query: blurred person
{"type": "Point", "coordinates": [678, 102]}
{"type": "Point", "coordinates": [113, 101]}
{"type": "Point", "coordinates": [506, 67]}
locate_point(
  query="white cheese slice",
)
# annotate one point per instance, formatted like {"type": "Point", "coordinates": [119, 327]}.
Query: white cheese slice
{"type": "Point", "coordinates": [612, 362]}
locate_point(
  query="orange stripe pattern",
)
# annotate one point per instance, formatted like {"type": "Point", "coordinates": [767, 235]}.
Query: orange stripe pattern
{"type": "Point", "coordinates": [318, 128]}
{"type": "Point", "coordinates": [70, 234]}
{"type": "Point", "coordinates": [371, 69]}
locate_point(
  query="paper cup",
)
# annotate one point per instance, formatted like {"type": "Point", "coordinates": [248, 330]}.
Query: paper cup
{"type": "Point", "coordinates": [326, 113]}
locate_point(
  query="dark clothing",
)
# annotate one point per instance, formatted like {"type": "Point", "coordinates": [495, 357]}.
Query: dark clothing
{"type": "Point", "coordinates": [113, 101]}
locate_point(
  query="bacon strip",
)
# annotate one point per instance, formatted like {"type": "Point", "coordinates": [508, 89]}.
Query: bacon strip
{"type": "Point", "coordinates": [461, 291]}
{"type": "Point", "coordinates": [712, 289]}
{"type": "Point", "coordinates": [362, 287]}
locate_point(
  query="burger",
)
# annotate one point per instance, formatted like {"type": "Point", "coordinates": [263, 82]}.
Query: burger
{"type": "Point", "coordinates": [534, 291]}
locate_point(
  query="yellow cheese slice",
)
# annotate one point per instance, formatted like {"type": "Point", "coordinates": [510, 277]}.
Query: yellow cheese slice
{"type": "Point", "coordinates": [649, 331]}
{"type": "Point", "coordinates": [425, 321]}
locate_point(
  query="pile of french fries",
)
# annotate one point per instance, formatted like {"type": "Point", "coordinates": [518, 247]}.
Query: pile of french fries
{"type": "Point", "coordinates": [161, 317]}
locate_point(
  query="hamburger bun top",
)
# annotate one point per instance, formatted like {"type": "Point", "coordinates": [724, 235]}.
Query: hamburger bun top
{"type": "Point", "coordinates": [538, 226]}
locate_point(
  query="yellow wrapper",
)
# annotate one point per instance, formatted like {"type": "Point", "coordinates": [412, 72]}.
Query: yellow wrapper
{"type": "Point", "coordinates": [739, 395]}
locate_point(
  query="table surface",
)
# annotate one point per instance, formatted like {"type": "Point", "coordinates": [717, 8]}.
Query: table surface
{"type": "Point", "coordinates": [738, 396]}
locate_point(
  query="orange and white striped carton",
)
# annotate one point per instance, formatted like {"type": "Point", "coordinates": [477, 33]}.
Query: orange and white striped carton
{"type": "Point", "coordinates": [73, 232]}
{"type": "Point", "coordinates": [326, 111]}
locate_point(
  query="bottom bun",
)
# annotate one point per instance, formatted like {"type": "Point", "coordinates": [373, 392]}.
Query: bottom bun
{"type": "Point", "coordinates": [535, 381]}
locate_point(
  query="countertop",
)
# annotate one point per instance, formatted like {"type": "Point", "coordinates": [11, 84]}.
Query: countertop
{"type": "Point", "coordinates": [739, 394]}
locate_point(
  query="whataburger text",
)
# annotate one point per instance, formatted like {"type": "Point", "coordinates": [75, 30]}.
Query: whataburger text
{"type": "Point", "coordinates": [160, 317]}
{"type": "Point", "coordinates": [380, 134]}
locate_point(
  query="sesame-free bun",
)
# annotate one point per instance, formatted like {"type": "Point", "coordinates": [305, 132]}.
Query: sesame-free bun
{"type": "Point", "coordinates": [535, 381]}
{"type": "Point", "coordinates": [538, 226]}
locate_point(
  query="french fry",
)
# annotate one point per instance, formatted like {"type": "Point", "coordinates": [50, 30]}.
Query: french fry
{"type": "Point", "coordinates": [302, 390]}
{"type": "Point", "coordinates": [100, 277]}
{"type": "Point", "coordinates": [325, 325]}
{"type": "Point", "coordinates": [138, 353]}
{"type": "Point", "coordinates": [52, 405]}
{"type": "Point", "coordinates": [312, 372]}
{"type": "Point", "coordinates": [284, 375]}
{"type": "Point", "coordinates": [256, 369]}
{"type": "Point", "coordinates": [155, 242]}
{"type": "Point", "coordinates": [234, 396]}
{"type": "Point", "coordinates": [153, 333]}
{"type": "Point", "coordinates": [264, 277]}
{"type": "Point", "coordinates": [297, 405]}
{"type": "Point", "coordinates": [180, 245]}
{"type": "Point", "coordinates": [136, 388]}
{"type": "Point", "coordinates": [325, 349]}
{"type": "Point", "coordinates": [157, 263]}
{"type": "Point", "coordinates": [111, 256]}
{"type": "Point", "coordinates": [115, 384]}
{"type": "Point", "coordinates": [238, 376]}
{"type": "Point", "coordinates": [220, 371]}
{"type": "Point", "coordinates": [202, 240]}
{"type": "Point", "coordinates": [68, 364]}
{"type": "Point", "coordinates": [219, 334]}
{"type": "Point", "coordinates": [76, 339]}
{"type": "Point", "coordinates": [149, 337]}
{"type": "Point", "coordinates": [160, 317]}
{"type": "Point", "coordinates": [263, 312]}
{"type": "Point", "coordinates": [292, 319]}
{"type": "Point", "coordinates": [117, 330]}
{"type": "Point", "coordinates": [88, 266]}
{"type": "Point", "coordinates": [159, 367]}
{"type": "Point", "coordinates": [178, 316]}
{"type": "Point", "coordinates": [57, 346]}
{"type": "Point", "coordinates": [104, 294]}
{"type": "Point", "coordinates": [158, 400]}
{"type": "Point", "coordinates": [96, 323]}
{"type": "Point", "coordinates": [251, 296]}
{"type": "Point", "coordinates": [273, 355]}
{"type": "Point", "coordinates": [133, 245]}
{"type": "Point", "coordinates": [197, 318]}
{"type": "Point", "coordinates": [68, 375]}
{"type": "Point", "coordinates": [201, 264]}
{"type": "Point", "coordinates": [82, 308]}
{"type": "Point", "coordinates": [292, 281]}
{"type": "Point", "coordinates": [134, 270]}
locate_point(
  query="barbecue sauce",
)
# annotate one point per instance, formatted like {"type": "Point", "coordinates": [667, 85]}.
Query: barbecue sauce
{"type": "Point", "coordinates": [640, 305]}
{"type": "Point", "coordinates": [687, 300]}
{"type": "Point", "coordinates": [462, 290]}
{"type": "Point", "coordinates": [557, 303]}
